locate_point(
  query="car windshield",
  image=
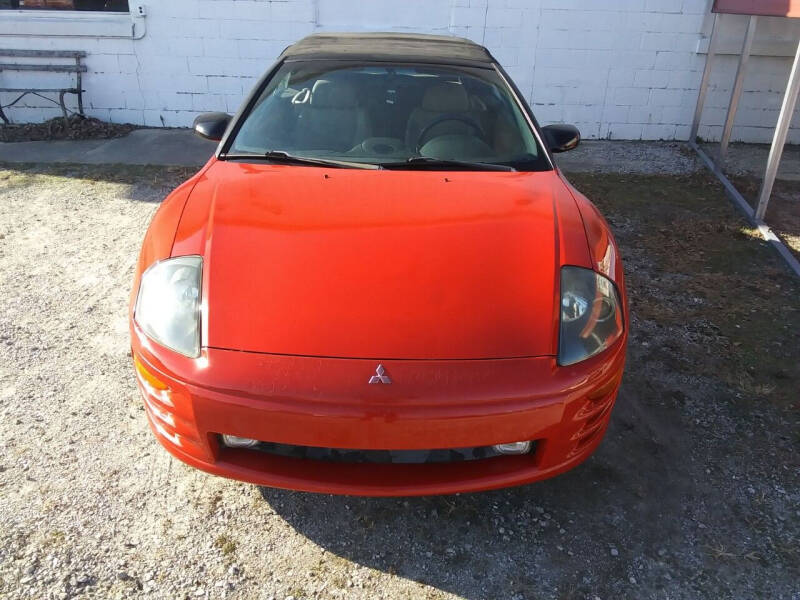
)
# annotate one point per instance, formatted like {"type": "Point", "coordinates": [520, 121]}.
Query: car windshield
{"type": "Point", "coordinates": [399, 116]}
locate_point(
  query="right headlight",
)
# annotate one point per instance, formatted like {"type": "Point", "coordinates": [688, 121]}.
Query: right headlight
{"type": "Point", "coordinates": [168, 306]}
{"type": "Point", "coordinates": [591, 315]}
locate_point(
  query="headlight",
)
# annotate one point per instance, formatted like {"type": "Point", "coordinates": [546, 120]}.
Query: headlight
{"type": "Point", "coordinates": [591, 315]}
{"type": "Point", "coordinates": [168, 306]}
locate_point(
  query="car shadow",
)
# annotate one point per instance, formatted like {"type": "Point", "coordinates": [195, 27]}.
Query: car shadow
{"type": "Point", "coordinates": [568, 536]}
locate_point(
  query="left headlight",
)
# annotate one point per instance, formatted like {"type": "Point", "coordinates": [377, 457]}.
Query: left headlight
{"type": "Point", "coordinates": [168, 305]}
{"type": "Point", "coordinates": [591, 315]}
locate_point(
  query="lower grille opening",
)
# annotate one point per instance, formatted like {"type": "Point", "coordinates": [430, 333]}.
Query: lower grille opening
{"type": "Point", "coordinates": [411, 457]}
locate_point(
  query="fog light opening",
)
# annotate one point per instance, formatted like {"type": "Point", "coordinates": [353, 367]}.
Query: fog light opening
{"type": "Point", "coordinates": [234, 441]}
{"type": "Point", "coordinates": [513, 448]}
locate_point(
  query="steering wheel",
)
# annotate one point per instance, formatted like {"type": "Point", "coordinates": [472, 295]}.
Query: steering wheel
{"type": "Point", "coordinates": [449, 117]}
{"type": "Point", "coordinates": [381, 145]}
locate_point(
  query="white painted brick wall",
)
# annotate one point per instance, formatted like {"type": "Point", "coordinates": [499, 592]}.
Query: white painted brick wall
{"type": "Point", "coordinates": [621, 69]}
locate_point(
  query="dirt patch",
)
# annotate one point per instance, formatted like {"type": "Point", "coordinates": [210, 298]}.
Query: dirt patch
{"type": "Point", "coordinates": [73, 128]}
{"type": "Point", "coordinates": [783, 212]}
{"type": "Point", "coordinates": [695, 266]}
{"type": "Point", "coordinates": [694, 493]}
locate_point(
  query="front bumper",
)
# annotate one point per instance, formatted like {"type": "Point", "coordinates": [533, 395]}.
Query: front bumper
{"type": "Point", "coordinates": [326, 402]}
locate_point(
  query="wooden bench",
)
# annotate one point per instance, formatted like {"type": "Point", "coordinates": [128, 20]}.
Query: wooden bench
{"type": "Point", "coordinates": [78, 68]}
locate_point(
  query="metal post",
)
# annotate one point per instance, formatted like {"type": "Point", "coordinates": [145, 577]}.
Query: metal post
{"type": "Point", "coordinates": [63, 105]}
{"type": "Point", "coordinates": [80, 85]}
{"type": "Point", "coordinates": [737, 88]}
{"type": "Point", "coordinates": [701, 98]}
{"type": "Point", "coordinates": [778, 141]}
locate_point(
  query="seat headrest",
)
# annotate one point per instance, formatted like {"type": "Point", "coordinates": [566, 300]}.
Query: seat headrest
{"type": "Point", "coordinates": [446, 97]}
{"type": "Point", "coordinates": [327, 94]}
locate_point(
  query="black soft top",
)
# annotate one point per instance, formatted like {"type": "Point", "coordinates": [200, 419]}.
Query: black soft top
{"type": "Point", "coordinates": [390, 47]}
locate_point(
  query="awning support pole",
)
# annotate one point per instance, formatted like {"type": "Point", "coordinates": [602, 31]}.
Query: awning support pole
{"type": "Point", "coordinates": [738, 84]}
{"type": "Point", "coordinates": [779, 139]}
{"type": "Point", "coordinates": [701, 98]}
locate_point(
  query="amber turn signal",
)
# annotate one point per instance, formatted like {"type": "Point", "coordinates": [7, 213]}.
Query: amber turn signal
{"type": "Point", "coordinates": [147, 376]}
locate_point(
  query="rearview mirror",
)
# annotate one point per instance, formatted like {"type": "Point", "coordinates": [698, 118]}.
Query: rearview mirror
{"type": "Point", "coordinates": [212, 125]}
{"type": "Point", "coordinates": [561, 138]}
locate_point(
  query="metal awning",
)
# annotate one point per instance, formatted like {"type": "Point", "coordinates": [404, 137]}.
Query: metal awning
{"type": "Point", "coordinates": [753, 8]}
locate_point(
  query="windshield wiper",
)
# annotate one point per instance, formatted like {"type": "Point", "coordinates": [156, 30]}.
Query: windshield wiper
{"type": "Point", "coordinates": [292, 159]}
{"type": "Point", "coordinates": [428, 161]}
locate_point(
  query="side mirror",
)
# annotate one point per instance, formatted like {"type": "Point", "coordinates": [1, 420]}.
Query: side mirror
{"type": "Point", "coordinates": [561, 138]}
{"type": "Point", "coordinates": [212, 125]}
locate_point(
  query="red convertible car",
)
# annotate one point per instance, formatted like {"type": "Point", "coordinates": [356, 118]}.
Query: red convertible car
{"type": "Point", "coordinates": [381, 283]}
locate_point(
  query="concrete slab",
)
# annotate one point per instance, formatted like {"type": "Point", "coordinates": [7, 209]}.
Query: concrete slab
{"type": "Point", "coordinates": [180, 147]}
{"type": "Point", "coordinates": [154, 147]}
{"type": "Point", "coordinates": [47, 152]}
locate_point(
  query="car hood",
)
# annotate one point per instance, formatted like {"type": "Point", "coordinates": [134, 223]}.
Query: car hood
{"type": "Point", "coordinates": [380, 264]}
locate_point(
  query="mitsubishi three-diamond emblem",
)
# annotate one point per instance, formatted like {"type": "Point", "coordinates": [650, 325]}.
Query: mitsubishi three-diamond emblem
{"type": "Point", "coordinates": [380, 376]}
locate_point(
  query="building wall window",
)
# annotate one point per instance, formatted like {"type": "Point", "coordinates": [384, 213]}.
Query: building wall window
{"type": "Point", "coordinates": [93, 5]}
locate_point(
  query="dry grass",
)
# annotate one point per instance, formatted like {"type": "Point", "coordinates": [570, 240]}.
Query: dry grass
{"type": "Point", "coordinates": [694, 266]}
{"type": "Point", "coordinates": [226, 545]}
{"type": "Point", "coordinates": [783, 213]}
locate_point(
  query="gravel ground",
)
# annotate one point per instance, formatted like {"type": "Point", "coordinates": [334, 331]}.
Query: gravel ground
{"type": "Point", "coordinates": [653, 158]}
{"type": "Point", "coordinates": [646, 158]}
{"type": "Point", "coordinates": [750, 160]}
{"type": "Point", "coordinates": [693, 494]}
